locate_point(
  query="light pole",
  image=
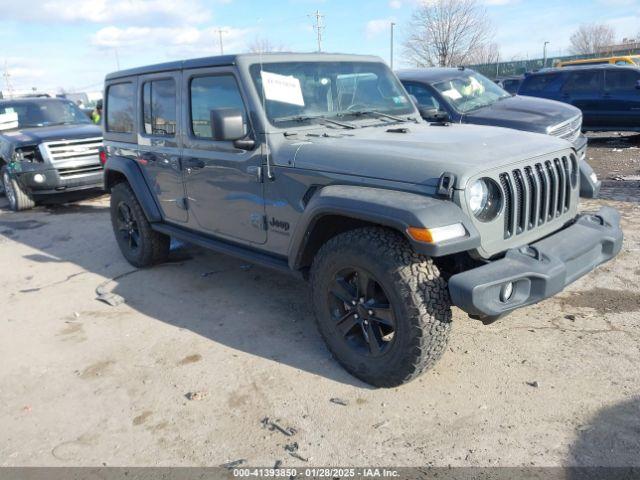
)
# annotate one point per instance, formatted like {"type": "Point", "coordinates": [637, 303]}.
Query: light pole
{"type": "Point", "coordinates": [544, 54]}
{"type": "Point", "coordinates": [391, 46]}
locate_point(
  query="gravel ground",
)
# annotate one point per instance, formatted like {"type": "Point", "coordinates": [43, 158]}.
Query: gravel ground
{"type": "Point", "coordinates": [616, 159]}
{"type": "Point", "coordinates": [206, 347]}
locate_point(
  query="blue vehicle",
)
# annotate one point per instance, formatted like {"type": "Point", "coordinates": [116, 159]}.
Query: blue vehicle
{"type": "Point", "coordinates": [608, 95]}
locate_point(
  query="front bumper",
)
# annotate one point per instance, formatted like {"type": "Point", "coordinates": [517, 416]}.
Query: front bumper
{"type": "Point", "coordinates": [50, 181]}
{"type": "Point", "coordinates": [539, 270]}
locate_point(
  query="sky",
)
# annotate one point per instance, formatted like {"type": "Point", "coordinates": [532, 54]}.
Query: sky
{"type": "Point", "coordinates": [72, 44]}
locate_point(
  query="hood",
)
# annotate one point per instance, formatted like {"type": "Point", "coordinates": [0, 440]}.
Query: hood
{"type": "Point", "coordinates": [421, 155]}
{"type": "Point", "coordinates": [523, 113]}
{"type": "Point", "coordinates": [36, 135]}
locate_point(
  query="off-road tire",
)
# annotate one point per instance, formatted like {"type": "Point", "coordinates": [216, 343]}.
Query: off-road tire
{"type": "Point", "coordinates": [417, 294]}
{"type": "Point", "coordinates": [153, 246]}
{"type": "Point", "coordinates": [18, 199]}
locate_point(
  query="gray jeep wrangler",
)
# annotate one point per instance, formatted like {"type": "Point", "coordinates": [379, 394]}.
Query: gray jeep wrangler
{"type": "Point", "coordinates": [320, 165]}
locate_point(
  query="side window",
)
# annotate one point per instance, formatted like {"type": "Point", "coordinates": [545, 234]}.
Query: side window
{"type": "Point", "coordinates": [212, 93]}
{"type": "Point", "coordinates": [540, 83]}
{"type": "Point", "coordinates": [159, 107]}
{"type": "Point", "coordinates": [621, 80]}
{"type": "Point", "coordinates": [423, 95]}
{"type": "Point", "coordinates": [120, 99]}
{"type": "Point", "coordinates": [588, 81]}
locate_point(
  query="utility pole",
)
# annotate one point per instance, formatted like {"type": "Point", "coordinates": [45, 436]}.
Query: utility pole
{"type": "Point", "coordinates": [544, 56]}
{"type": "Point", "coordinates": [391, 47]}
{"type": "Point", "coordinates": [220, 32]}
{"type": "Point", "coordinates": [319, 27]}
{"type": "Point", "coordinates": [115, 50]}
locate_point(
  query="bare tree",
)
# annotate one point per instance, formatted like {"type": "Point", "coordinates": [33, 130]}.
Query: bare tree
{"type": "Point", "coordinates": [447, 33]}
{"type": "Point", "coordinates": [264, 45]}
{"type": "Point", "coordinates": [484, 54]}
{"type": "Point", "coordinates": [592, 38]}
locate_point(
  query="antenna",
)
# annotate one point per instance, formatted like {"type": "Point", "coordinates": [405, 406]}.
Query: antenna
{"type": "Point", "coordinates": [7, 79]}
{"type": "Point", "coordinates": [319, 27]}
{"type": "Point", "coordinates": [220, 32]}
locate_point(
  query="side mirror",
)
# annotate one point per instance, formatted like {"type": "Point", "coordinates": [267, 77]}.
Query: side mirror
{"type": "Point", "coordinates": [434, 115]}
{"type": "Point", "coordinates": [227, 124]}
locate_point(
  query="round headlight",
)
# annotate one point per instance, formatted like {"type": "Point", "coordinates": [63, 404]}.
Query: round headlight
{"type": "Point", "coordinates": [485, 199]}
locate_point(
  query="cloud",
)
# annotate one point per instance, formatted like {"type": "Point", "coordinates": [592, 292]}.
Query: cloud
{"type": "Point", "coordinates": [130, 12]}
{"type": "Point", "coordinates": [178, 41]}
{"type": "Point", "coordinates": [395, 4]}
{"type": "Point", "coordinates": [378, 26]}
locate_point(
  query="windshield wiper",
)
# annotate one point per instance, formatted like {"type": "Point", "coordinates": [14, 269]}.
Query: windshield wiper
{"type": "Point", "coordinates": [306, 118]}
{"type": "Point", "coordinates": [362, 113]}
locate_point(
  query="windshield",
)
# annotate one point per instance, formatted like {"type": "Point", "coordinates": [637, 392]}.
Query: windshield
{"type": "Point", "coordinates": [470, 91]}
{"type": "Point", "coordinates": [302, 91]}
{"type": "Point", "coordinates": [42, 113]}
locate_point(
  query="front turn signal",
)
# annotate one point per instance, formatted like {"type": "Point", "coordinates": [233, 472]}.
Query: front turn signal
{"type": "Point", "coordinates": [438, 234]}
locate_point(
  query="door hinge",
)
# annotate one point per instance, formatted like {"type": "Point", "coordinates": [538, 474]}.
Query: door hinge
{"type": "Point", "coordinates": [183, 203]}
{"type": "Point", "coordinates": [259, 221]}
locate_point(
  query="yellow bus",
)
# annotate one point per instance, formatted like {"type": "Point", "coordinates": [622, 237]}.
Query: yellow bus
{"type": "Point", "coordinates": [619, 60]}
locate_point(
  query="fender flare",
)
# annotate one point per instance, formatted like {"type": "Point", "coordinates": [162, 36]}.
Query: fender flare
{"type": "Point", "coordinates": [390, 208]}
{"type": "Point", "coordinates": [132, 172]}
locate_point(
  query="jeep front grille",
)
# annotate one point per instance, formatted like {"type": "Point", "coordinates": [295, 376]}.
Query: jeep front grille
{"type": "Point", "coordinates": [68, 150]}
{"type": "Point", "coordinates": [537, 194]}
{"type": "Point", "coordinates": [569, 130]}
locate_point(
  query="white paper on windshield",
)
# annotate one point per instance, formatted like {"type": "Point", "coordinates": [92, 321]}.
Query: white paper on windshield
{"type": "Point", "coordinates": [8, 120]}
{"type": "Point", "coordinates": [453, 94]}
{"type": "Point", "coordinates": [281, 88]}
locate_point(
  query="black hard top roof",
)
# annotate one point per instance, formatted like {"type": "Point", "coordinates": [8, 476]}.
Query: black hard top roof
{"type": "Point", "coordinates": [226, 60]}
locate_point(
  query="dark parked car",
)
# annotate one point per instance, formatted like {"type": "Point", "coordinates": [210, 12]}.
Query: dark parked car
{"type": "Point", "coordinates": [320, 166]}
{"type": "Point", "coordinates": [462, 95]}
{"type": "Point", "coordinates": [608, 95]}
{"type": "Point", "coordinates": [47, 146]}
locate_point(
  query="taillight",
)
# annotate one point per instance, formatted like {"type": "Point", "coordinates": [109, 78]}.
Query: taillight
{"type": "Point", "coordinates": [103, 155]}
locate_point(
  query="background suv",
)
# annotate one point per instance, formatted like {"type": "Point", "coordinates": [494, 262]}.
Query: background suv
{"type": "Point", "coordinates": [608, 95]}
{"type": "Point", "coordinates": [47, 146]}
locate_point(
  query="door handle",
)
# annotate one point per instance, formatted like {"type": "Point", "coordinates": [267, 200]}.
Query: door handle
{"type": "Point", "coordinates": [193, 163]}
{"type": "Point", "coordinates": [148, 157]}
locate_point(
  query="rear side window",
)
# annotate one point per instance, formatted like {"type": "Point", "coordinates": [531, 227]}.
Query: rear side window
{"type": "Point", "coordinates": [159, 107]}
{"type": "Point", "coordinates": [540, 83]}
{"type": "Point", "coordinates": [120, 100]}
{"type": "Point", "coordinates": [621, 80]}
{"type": "Point", "coordinates": [588, 81]}
{"type": "Point", "coordinates": [212, 93]}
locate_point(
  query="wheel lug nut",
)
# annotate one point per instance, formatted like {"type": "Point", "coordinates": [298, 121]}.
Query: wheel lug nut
{"type": "Point", "coordinates": [362, 300]}
{"type": "Point", "coordinates": [356, 316]}
{"type": "Point", "coordinates": [370, 312]}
